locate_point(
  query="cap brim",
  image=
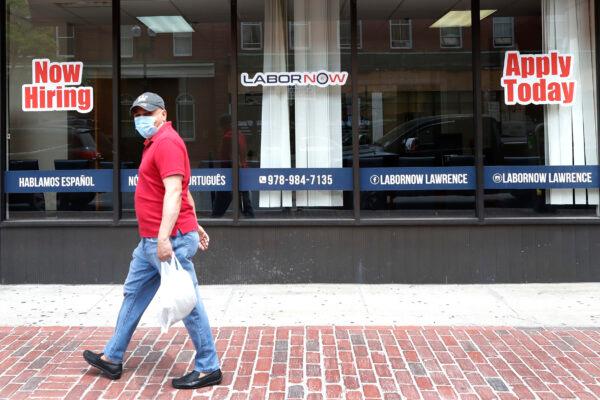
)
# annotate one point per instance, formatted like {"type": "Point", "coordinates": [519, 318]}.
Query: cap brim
{"type": "Point", "coordinates": [145, 106]}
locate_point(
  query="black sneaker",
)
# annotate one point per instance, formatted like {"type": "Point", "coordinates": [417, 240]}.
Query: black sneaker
{"type": "Point", "coordinates": [194, 381]}
{"type": "Point", "coordinates": [112, 370]}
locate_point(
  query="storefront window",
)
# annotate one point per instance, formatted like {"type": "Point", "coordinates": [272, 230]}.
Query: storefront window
{"type": "Point", "coordinates": [414, 96]}
{"type": "Point", "coordinates": [295, 133]}
{"type": "Point", "coordinates": [181, 52]}
{"type": "Point", "coordinates": [416, 109]}
{"type": "Point", "coordinates": [59, 107]}
{"type": "Point", "coordinates": [539, 89]}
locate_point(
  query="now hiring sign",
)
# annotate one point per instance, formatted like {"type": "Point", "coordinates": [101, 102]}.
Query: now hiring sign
{"type": "Point", "coordinates": [55, 87]}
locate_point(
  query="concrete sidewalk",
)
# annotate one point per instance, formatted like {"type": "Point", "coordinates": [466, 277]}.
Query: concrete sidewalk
{"type": "Point", "coordinates": [525, 305]}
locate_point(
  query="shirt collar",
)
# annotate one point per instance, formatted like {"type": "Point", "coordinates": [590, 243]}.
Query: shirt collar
{"type": "Point", "coordinates": [158, 133]}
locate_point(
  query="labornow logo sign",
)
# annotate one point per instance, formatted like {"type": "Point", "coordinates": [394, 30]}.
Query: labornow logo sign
{"type": "Point", "coordinates": [320, 78]}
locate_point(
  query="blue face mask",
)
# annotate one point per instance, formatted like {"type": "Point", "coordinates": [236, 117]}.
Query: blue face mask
{"type": "Point", "coordinates": [145, 126]}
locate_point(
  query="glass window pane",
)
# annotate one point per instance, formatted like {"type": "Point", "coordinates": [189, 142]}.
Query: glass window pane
{"type": "Point", "coordinates": [543, 121]}
{"type": "Point", "coordinates": [188, 65]}
{"type": "Point", "coordinates": [59, 119]}
{"type": "Point", "coordinates": [416, 105]}
{"type": "Point", "coordinates": [292, 127]}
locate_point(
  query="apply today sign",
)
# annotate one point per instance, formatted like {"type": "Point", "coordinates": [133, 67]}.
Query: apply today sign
{"type": "Point", "coordinates": [538, 78]}
{"type": "Point", "coordinates": [55, 87]}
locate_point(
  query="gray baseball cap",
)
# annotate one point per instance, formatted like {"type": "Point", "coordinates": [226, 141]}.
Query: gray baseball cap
{"type": "Point", "coordinates": [148, 101]}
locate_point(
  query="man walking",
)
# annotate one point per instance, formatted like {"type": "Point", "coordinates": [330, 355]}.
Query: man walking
{"type": "Point", "coordinates": [168, 227]}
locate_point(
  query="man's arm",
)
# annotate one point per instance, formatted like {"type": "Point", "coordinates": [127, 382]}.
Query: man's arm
{"type": "Point", "coordinates": [170, 212]}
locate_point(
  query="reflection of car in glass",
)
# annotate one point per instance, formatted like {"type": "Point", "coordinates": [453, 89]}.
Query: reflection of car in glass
{"type": "Point", "coordinates": [49, 141]}
{"type": "Point", "coordinates": [437, 141]}
{"type": "Point", "coordinates": [522, 142]}
{"type": "Point", "coordinates": [25, 201]}
{"type": "Point", "coordinates": [82, 146]}
{"type": "Point", "coordinates": [363, 133]}
{"type": "Point", "coordinates": [58, 144]}
{"type": "Point", "coordinates": [445, 140]}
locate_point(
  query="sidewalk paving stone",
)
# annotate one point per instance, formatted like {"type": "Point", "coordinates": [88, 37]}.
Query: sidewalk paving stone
{"type": "Point", "coordinates": [312, 362]}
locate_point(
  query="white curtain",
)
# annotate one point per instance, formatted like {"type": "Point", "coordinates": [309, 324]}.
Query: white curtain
{"type": "Point", "coordinates": [318, 111]}
{"type": "Point", "coordinates": [275, 131]}
{"type": "Point", "coordinates": [571, 132]}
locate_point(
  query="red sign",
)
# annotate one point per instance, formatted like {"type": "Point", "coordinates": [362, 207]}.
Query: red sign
{"type": "Point", "coordinates": [538, 78]}
{"type": "Point", "coordinates": [55, 88]}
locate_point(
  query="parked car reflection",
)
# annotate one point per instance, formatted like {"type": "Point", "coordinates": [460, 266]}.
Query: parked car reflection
{"type": "Point", "coordinates": [69, 142]}
{"type": "Point", "coordinates": [446, 141]}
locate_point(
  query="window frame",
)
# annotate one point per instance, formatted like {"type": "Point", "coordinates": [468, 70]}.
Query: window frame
{"type": "Point", "coordinates": [186, 36]}
{"type": "Point", "coordinates": [460, 37]}
{"type": "Point", "coordinates": [410, 34]}
{"type": "Point", "coordinates": [512, 37]}
{"type": "Point", "coordinates": [129, 37]}
{"type": "Point", "coordinates": [182, 97]}
{"type": "Point", "coordinates": [260, 42]}
{"type": "Point", "coordinates": [69, 39]}
{"type": "Point", "coordinates": [292, 35]}
{"type": "Point", "coordinates": [349, 46]}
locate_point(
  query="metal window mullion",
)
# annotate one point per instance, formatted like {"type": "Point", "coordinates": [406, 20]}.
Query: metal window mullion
{"type": "Point", "coordinates": [597, 41]}
{"type": "Point", "coordinates": [116, 107]}
{"type": "Point", "coordinates": [3, 121]}
{"type": "Point", "coordinates": [477, 111]}
{"type": "Point", "coordinates": [235, 192]}
{"type": "Point", "coordinates": [355, 110]}
{"type": "Point", "coordinates": [3, 106]}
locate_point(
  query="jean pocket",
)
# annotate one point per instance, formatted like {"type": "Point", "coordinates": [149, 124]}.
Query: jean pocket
{"type": "Point", "coordinates": [192, 240]}
{"type": "Point", "coordinates": [150, 245]}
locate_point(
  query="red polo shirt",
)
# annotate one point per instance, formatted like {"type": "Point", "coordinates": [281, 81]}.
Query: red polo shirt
{"type": "Point", "coordinates": [164, 155]}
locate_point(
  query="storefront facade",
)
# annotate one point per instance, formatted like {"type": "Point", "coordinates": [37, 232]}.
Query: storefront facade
{"type": "Point", "coordinates": [375, 141]}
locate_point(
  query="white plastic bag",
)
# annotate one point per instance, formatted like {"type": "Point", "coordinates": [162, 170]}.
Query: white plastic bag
{"type": "Point", "coordinates": [176, 294]}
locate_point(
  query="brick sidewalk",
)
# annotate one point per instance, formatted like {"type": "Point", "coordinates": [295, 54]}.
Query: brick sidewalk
{"type": "Point", "coordinates": [313, 363]}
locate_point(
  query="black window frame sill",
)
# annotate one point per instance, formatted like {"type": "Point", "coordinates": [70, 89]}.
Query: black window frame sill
{"type": "Point", "coordinates": [273, 222]}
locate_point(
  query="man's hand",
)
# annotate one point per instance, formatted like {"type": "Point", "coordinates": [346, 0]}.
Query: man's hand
{"type": "Point", "coordinates": [203, 244]}
{"type": "Point", "coordinates": [164, 249]}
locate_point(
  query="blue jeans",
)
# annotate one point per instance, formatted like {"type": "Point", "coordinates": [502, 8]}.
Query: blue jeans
{"type": "Point", "coordinates": [140, 287]}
